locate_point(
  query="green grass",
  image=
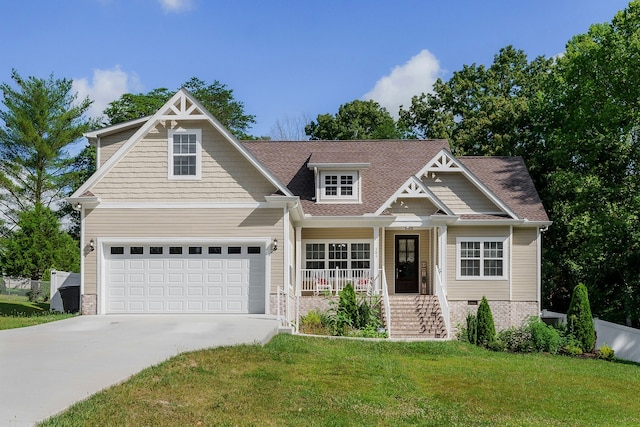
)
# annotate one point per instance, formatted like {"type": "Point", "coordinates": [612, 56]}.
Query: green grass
{"type": "Point", "coordinates": [303, 381]}
{"type": "Point", "coordinates": [17, 312]}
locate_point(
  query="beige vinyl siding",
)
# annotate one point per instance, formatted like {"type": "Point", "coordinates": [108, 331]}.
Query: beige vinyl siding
{"type": "Point", "coordinates": [459, 194]}
{"type": "Point", "coordinates": [525, 265]}
{"type": "Point", "coordinates": [182, 223]}
{"type": "Point", "coordinates": [111, 143]}
{"type": "Point", "coordinates": [475, 289]}
{"type": "Point", "coordinates": [337, 233]}
{"type": "Point", "coordinates": [143, 173]}
{"type": "Point", "coordinates": [425, 249]}
{"type": "Point", "coordinates": [413, 206]}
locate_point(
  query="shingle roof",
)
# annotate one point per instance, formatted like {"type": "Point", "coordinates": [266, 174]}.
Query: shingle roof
{"type": "Point", "coordinates": [392, 162]}
{"type": "Point", "coordinates": [509, 179]}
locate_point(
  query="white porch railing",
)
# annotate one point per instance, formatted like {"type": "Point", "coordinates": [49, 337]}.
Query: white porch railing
{"type": "Point", "coordinates": [385, 301]}
{"type": "Point", "coordinates": [441, 292]}
{"type": "Point", "coordinates": [333, 281]}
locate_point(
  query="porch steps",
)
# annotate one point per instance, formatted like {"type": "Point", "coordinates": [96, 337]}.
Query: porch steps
{"type": "Point", "coordinates": [416, 317]}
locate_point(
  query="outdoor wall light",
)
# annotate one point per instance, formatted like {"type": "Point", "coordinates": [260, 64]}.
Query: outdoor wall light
{"type": "Point", "coordinates": [92, 245]}
{"type": "Point", "coordinates": [275, 245]}
{"type": "Point", "coordinates": [78, 206]}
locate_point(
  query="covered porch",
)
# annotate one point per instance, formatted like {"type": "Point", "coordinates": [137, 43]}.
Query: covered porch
{"type": "Point", "coordinates": [376, 260]}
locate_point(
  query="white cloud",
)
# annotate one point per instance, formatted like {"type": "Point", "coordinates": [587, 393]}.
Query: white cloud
{"type": "Point", "coordinates": [105, 86]}
{"type": "Point", "coordinates": [415, 77]}
{"type": "Point", "coordinates": [175, 5]}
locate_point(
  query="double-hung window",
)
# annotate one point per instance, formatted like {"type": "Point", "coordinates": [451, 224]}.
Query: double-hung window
{"type": "Point", "coordinates": [338, 186]}
{"type": "Point", "coordinates": [481, 258]}
{"type": "Point", "coordinates": [185, 153]}
{"type": "Point", "coordinates": [337, 255]}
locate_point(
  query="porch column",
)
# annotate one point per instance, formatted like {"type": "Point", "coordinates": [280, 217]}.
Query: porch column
{"type": "Point", "coordinates": [298, 251]}
{"type": "Point", "coordinates": [376, 260]}
{"type": "Point", "coordinates": [442, 255]}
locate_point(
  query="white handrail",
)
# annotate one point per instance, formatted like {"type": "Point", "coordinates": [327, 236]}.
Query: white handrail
{"type": "Point", "coordinates": [334, 280]}
{"type": "Point", "coordinates": [385, 301]}
{"type": "Point", "coordinates": [441, 292]}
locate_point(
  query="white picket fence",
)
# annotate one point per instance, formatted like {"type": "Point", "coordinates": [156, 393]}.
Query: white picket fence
{"type": "Point", "coordinates": [625, 341]}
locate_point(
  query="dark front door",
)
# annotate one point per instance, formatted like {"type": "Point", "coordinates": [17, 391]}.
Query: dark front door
{"type": "Point", "coordinates": [407, 264]}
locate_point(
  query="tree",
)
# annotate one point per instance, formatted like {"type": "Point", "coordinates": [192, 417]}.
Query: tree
{"type": "Point", "coordinates": [82, 167]}
{"type": "Point", "coordinates": [486, 330]}
{"type": "Point", "coordinates": [215, 97]}
{"type": "Point", "coordinates": [579, 319]}
{"type": "Point", "coordinates": [38, 245]}
{"type": "Point", "coordinates": [355, 120]}
{"type": "Point", "coordinates": [487, 111]}
{"type": "Point", "coordinates": [592, 107]}
{"type": "Point", "coordinates": [41, 118]}
{"type": "Point", "coordinates": [290, 128]}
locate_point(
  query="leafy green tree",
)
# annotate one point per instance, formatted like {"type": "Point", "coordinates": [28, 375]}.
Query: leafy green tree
{"type": "Point", "coordinates": [40, 119]}
{"type": "Point", "coordinates": [135, 106]}
{"type": "Point", "coordinates": [592, 105]}
{"type": "Point", "coordinates": [579, 319]}
{"type": "Point", "coordinates": [82, 167]}
{"type": "Point", "coordinates": [486, 330]}
{"type": "Point", "coordinates": [38, 245]}
{"type": "Point", "coordinates": [483, 110]}
{"type": "Point", "coordinates": [216, 97]}
{"type": "Point", "coordinates": [355, 120]}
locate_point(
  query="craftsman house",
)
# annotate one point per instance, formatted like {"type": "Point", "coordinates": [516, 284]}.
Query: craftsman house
{"type": "Point", "coordinates": [181, 217]}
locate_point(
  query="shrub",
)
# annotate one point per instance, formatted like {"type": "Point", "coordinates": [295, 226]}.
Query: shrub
{"type": "Point", "coordinates": [471, 335]}
{"type": "Point", "coordinates": [544, 337]}
{"type": "Point", "coordinates": [348, 314]}
{"type": "Point", "coordinates": [532, 336]}
{"type": "Point", "coordinates": [579, 319]}
{"type": "Point", "coordinates": [312, 323]}
{"type": "Point", "coordinates": [605, 352]}
{"type": "Point", "coordinates": [486, 332]}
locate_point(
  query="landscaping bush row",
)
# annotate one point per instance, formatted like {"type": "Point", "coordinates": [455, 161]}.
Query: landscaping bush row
{"type": "Point", "coordinates": [575, 338]}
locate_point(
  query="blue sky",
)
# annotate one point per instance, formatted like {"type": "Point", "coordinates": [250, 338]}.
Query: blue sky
{"type": "Point", "coordinates": [284, 59]}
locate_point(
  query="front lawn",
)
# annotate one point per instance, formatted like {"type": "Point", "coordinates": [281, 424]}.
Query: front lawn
{"type": "Point", "coordinates": [306, 381]}
{"type": "Point", "coordinates": [17, 312]}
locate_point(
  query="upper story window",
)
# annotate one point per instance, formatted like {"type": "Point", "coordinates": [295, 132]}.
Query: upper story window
{"type": "Point", "coordinates": [185, 153]}
{"type": "Point", "coordinates": [482, 258]}
{"type": "Point", "coordinates": [339, 186]}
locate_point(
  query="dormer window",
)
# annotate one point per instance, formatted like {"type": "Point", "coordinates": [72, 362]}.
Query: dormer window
{"type": "Point", "coordinates": [338, 176]}
{"type": "Point", "coordinates": [339, 185]}
{"type": "Point", "coordinates": [185, 153]}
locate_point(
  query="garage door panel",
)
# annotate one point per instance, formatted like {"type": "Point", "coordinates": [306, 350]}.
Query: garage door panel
{"type": "Point", "coordinates": [175, 278]}
{"type": "Point", "coordinates": [183, 281]}
{"type": "Point", "coordinates": [156, 291]}
{"type": "Point", "coordinates": [195, 278]}
{"type": "Point", "coordinates": [175, 291]}
{"type": "Point", "coordinates": [136, 291]}
{"type": "Point", "coordinates": [156, 306]}
{"type": "Point", "coordinates": [195, 291]}
{"type": "Point", "coordinates": [176, 264]}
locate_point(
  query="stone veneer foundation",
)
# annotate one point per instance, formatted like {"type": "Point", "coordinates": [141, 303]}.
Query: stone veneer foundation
{"type": "Point", "coordinates": [89, 304]}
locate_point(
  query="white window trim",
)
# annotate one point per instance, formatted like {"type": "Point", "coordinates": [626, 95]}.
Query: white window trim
{"type": "Point", "coordinates": [505, 257]}
{"type": "Point", "coordinates": [321, 187]}
{"type": "Point", "coordinates": [327, 242]}
{"type": "Point", "coordinates": [198, 175]}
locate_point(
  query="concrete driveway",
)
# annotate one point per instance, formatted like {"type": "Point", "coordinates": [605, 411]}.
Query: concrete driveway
{"type": "Point", "coordinates": [46, 368]}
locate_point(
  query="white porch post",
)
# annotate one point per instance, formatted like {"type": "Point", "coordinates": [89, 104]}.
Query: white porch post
{"type": "Point", "coordinates": [442, 254]}
{"type": "Point", "coordinates": [376, 260]}
{"type": "Point", "coordinates": [298, 251]}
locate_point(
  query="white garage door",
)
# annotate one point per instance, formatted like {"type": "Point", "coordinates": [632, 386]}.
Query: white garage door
{"type": "Point", "coordinates": [185, 278]}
